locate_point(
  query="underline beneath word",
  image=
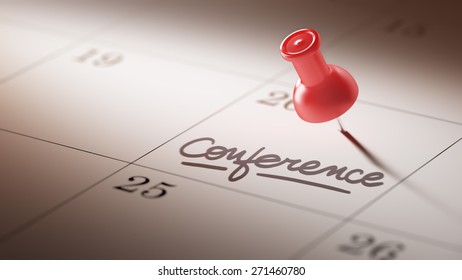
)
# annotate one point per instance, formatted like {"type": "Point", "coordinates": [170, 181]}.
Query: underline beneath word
{"type": "Point", "coordinates": [305, 182]}
{"type": "Point", "coordinates": [272, 176]}
{"type": "Point", "coordinates": [201, 165]}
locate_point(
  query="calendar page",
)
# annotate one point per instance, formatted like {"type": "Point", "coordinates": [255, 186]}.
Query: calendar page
{"type": "Point", "coordinates": [167, 130]}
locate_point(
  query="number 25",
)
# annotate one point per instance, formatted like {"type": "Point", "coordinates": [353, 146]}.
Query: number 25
{"type": "Point", "coordinates": [156, 191]}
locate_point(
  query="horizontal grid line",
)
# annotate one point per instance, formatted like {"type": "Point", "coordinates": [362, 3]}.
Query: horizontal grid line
{"type": "Point", "coordinates": [4, 238]}
{"type": "Point", "coordinates": [419, 238]}
{"type": "Point", "coordinates": [114, 22]}
{"type": "Point", "coordinates": [134, 164]}
{"type": "Point", "coordinates": [323, 237]}
{"type": "Point", "coordinates": [63, 145]}
{"type": "Point", "coordinates": [408, 112]}
{"type": "Point", "coordinates": [315, 211]}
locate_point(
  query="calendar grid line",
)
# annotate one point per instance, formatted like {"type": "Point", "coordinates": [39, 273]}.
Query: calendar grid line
{"type": "Point", "coordinates": [340, 221]}
{"type": "Point", "coordinates": [184, 61]}
{"type": "Point", "coordinates": [258, 196]}
{"type": "Point", "coordinates": [24, 226]}
{"type": "Point", "coordinates": [408, 112]}
{"type": "Point", "coordinates": [33, 27]}
{"type": "Point", "coordinates": [328, 45]}
{"type": "Point", "coordinates": [316, 242]}
{"type": "Point", "coordinates": [435, 242]}
{"type": "Point", "coordinates": [370, 103]}
{"type": "Point", "coordinates": [72, 45]}
{"type": "Point", "coordinates": [50, 211]}
{"type": "Point", "coordinates": [423, 239]}
{"type": "Point", "coordinates": [63, 145]}
{"type": "Point", "coordinates": [125, 161]}
{"type": "Point", "coordinates": [223, 108]}
{"type": "Point", "coordinates": [4, 238]}
{"type": "Point", "coordinates": [40, 61]}
{"type": "Point", "coordinates": [416, 237]}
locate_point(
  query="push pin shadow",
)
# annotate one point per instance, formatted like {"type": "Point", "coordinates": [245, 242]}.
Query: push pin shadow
{"type": "Point", "coordinates": [324, 91]}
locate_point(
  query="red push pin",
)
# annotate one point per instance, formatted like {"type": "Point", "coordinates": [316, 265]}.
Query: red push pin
{"type": "Point", "coordinates": [324, 91]}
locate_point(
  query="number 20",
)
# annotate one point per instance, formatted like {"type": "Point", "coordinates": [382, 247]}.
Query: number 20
{"type": "Point", "coordinates": [276, 97]}
{"type": "Point", "coordinates": [152, 192]}
{"type": "Point", "coordinates": [100, 60]}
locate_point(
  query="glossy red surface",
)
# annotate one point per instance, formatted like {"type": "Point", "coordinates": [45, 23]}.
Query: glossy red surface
{"type": "Point", "coordinates": [324, 91]}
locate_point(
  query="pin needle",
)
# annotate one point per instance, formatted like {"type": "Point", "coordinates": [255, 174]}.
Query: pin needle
{"type": "Point", "coordinates": [342, 130]}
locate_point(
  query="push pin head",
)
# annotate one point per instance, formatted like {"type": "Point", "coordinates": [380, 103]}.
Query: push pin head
{"type": "Point", "coordinates": [323, 92]}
